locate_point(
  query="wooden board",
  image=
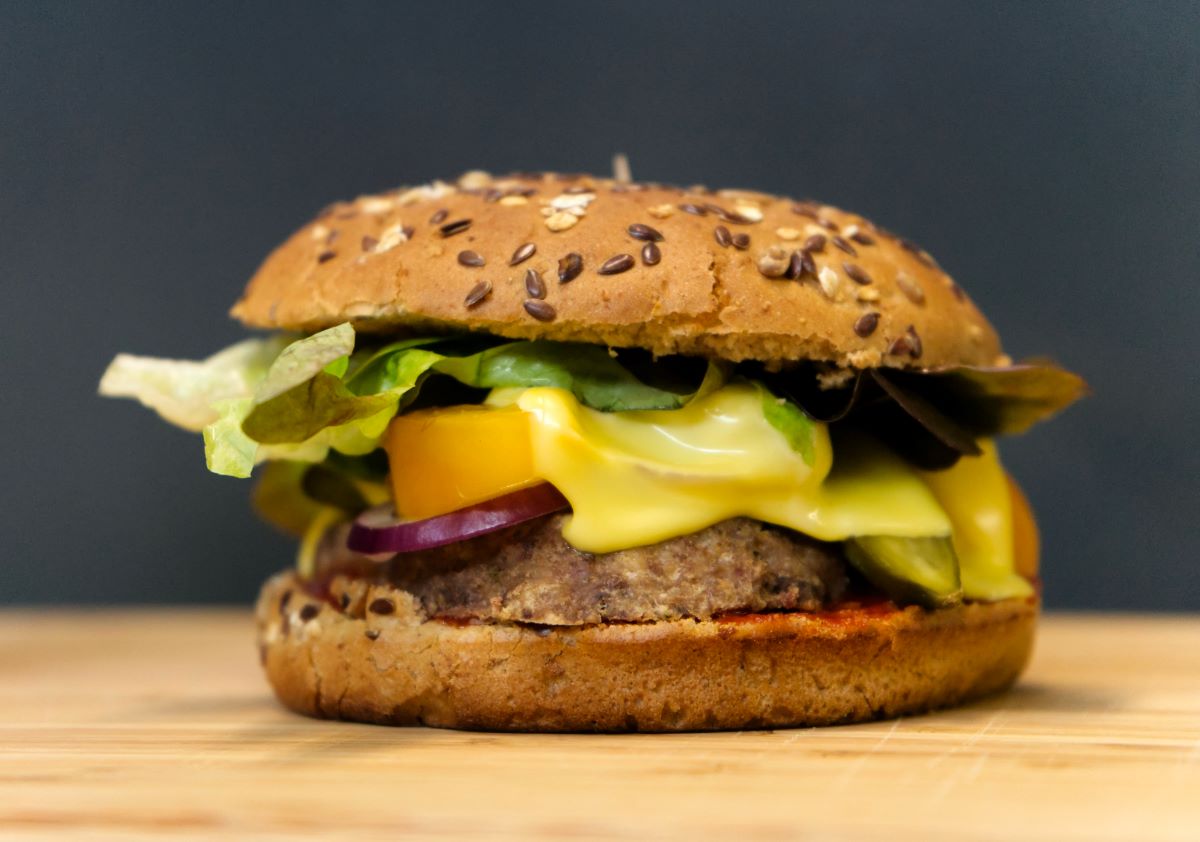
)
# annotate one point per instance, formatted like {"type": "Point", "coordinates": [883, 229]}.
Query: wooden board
{"type": "Point", "coordinates": [144, 723]}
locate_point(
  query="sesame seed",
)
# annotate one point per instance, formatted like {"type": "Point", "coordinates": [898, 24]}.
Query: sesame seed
{"type": "Point", "coordinates": [787, 233]}
{"type": "Point", "coordinates": [829, 281]}
{"type": "Point", "coordinates": [513, 200]}
{"type": "Point", "coordinates": [381, 605]}
{"type": "Point", "coordinates": [804, 210]}
{"type": "Point", "coordinates": [540, 310]}
{"type": "Point", "coordinates": [911, 289]}
{"type": "Point", "coordinates": [695, 210]}
{"type": "Point", "coordinates": [308, 612]}
{"type": "Point", "coordinates": [455, 227]}
{"type": "Point", "coordinates": [477, 294]}
{"type": "Point", "coordinates": [474, 180]}
{"type": "Point", "coordinates": [616, 264]}
{"type": "Point", "coordinates": [569, 267]}
{"type": "Point", "coordinates": [815, 243]}
{"type": "Point", "coordinates": [523, 253]}
{"type": "Point", "coordinates": [741, 242]}
{"type": "Point", "coordinates": [470, 258]}
{"type": "Point", "coordinates": [651, 254]}
{"type": "Point", "coordinates": [856, 273]}
{"type": "Point", "coordinates": [492, 194]}
{"type": "Point", "coordinates": [844, 246]}
{"type": "Point", "coordinates": [344, 600]}
{"type": "Point", "coordinates": [860, 236]}
{"type": "Point", "coordinates": [439, 217]}
{"type": "Point", "coordinates": [577, 188]}
{"type": "Point", "coordinates": [867, 294]}
{"type": "Point", "coordinates": [827, 224]}
{"type": "Point", "coordinates": [534, 285]}
{"type": "Point", "coordinates": [866, 324]}
{"type": "Point", "coordinates": [661, 211]}
{"type": "Point", "coordinates": [376, 205]}
{"type": "Point", "coordinates": [644, 232]}
{"type": "Point", "coordinates": [326, 256]}
{"type": "Point", "coordinates": [331, 236]}
{"type": "Point", "coordinates": [773, 263]}
{"type": "Point", "coordinates": [561, 220]}
{"type": "Point", "coordinates": [749, 213]}
{"type": "Point", "coordinates": [724, 238]}
{"type": "Point", "coordinates": [369, 242]}
{"type": "Point", "coordinates": [372, 634]}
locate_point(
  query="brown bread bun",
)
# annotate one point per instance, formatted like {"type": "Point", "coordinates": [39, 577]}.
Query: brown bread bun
{"type": "Point", "coordinates": [716, 283]}
{"type": "Point", "coordinates": [760, 671]}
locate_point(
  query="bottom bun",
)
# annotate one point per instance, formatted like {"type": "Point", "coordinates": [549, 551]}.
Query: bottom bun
{"type": "Point", "coordinates": [752, 671]}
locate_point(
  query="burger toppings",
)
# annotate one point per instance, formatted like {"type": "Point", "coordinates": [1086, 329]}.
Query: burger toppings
{"type": "Point", "coordinates": [530, 574]}
{"type": "Point", "coordinates": [893, 469]}
{"type": "Point", "coordinates": [378, 530]}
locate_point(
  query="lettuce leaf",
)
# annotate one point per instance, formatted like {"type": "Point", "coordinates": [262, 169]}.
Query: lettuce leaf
{"type": "Point", "coordinates": [227, 450]}
{"type": "Point", "coordinates": [1009, 400]}
{"type": "Point", "coordinates": [187, 392]}
{"type": "Point", "coordinates": [389, 379]}
{"type": "Point", "coordinates": [791, 421]}
{"type": "Point", "coordinates": [589, 372]}
{"type": "Point", "coordinates": [302, 359]}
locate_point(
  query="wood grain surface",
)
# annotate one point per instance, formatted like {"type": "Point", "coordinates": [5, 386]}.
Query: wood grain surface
{"type": "Point", "coordinates": [154, 723]}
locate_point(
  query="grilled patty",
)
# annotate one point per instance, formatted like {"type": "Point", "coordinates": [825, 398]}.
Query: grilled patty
{"type": "Point", "coordinates": [530, 574]}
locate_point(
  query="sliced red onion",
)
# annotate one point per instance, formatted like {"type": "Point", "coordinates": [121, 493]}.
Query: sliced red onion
{"type": "Point", "coordinates": [378, 530]}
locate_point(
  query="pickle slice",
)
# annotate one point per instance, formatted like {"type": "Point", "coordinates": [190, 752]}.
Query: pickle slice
{"type": "Point", "coordinates": [921, 570]}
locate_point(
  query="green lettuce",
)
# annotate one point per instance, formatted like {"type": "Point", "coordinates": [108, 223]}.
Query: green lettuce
{"type": "Point", "coordinates": [790, 420]}
{"type": "Point", "coordinates": [190, 393]}
{"type": "Point", "coordinates": [383, 384]}
{"type": "Point", "coordinates": [264, 400]}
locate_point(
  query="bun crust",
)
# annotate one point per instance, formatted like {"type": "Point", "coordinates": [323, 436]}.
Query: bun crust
{"type": "Point", "coordinates": [405, 261]}
{"type": "Point", "coordinates": [763, 671]}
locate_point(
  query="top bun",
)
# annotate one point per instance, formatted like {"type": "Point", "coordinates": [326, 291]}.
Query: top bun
{"type": "Point", "coordinates": [731, 273]}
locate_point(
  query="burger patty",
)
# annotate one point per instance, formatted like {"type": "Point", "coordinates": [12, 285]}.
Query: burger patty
{"type": "Point", "coordinates": [530, 574]}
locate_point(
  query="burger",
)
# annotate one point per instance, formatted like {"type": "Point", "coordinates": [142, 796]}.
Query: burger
{"type": "Point", "coordinates": [567, 453]}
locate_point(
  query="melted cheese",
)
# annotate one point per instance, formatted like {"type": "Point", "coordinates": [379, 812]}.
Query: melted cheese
{"type": "Point", "coordinates": [636, 478]}
{"type": "Point", "coordinates": [975, 495]}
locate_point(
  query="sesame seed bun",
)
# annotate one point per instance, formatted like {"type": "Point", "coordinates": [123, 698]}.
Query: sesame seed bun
{"type": "Point", "coordinates": [731, 274]}
{"type": "Point", "coordinates": [759, 671]}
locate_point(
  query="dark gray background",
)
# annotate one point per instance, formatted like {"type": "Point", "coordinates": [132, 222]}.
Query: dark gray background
{"type": "Point", "coordinates": [151, 154]}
